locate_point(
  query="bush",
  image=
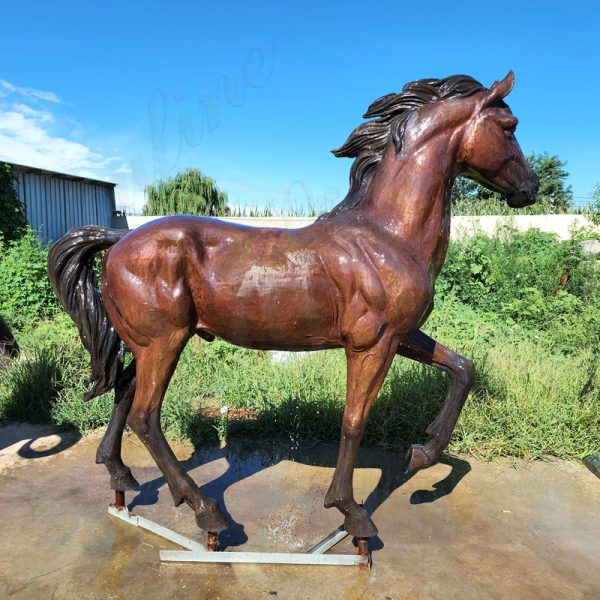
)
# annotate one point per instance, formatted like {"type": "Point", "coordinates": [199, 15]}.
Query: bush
{"type": "Point", "coordinates": [47, 383]}
{"type": "Point", "coordinates": [25, 292]}
{"type": "Point", "coordinates": [530, 399]}
{"type": "Point", "coordinates": [529, 278]}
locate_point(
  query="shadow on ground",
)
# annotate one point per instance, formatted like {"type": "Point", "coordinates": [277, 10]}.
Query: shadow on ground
{"type": "Point", "coordinates": [39, 440]}
{"type": "Point", "coordinates": [244, 462]}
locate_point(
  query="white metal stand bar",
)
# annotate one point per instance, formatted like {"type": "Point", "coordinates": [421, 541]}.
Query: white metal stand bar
{"type": "Point", "coordinates": [164, 532]}
{"type": "Point", "coordinates": [330, 541]}
{"type": "Point", "coordinates": [197, 552]}
{"type": "Point", "coordinates": [285, 558]}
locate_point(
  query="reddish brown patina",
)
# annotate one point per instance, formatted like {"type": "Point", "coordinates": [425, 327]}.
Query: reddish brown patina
{"type": "Point", "coordinates": [360, 278]}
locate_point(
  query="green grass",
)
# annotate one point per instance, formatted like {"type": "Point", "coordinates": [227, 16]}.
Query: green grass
{"type": "Point", "coordinates": [529, 400]}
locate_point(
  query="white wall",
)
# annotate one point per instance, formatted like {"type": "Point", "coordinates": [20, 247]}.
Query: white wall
{"type": "Point", "coordinates": [562, 225]}
{"type": "Point", "coordinates": [284, 222]}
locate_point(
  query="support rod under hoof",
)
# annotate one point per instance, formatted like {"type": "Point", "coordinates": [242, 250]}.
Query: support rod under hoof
{"type": "Point", "coordinates": [119, 499]}
{"type": "Point", "coordinates": [212, 541]}
{"type": "Point", "coordinates": [362, 548]}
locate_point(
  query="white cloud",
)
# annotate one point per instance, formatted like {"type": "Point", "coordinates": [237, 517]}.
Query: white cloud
{"type": "Point", "coordinates": [35, 132]}
{"type": "Point", "coordinates": [39, 138]}
{"type": "Point", "coordinates": [41, 115]}
{"type": "Point", "coordinates": [24, 140]}
{"type": "Point", "coordinates": [30, 92]}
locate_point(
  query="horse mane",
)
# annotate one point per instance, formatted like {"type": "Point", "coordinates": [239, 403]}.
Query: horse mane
{"type": "Point", "coordinates": [367, 143]}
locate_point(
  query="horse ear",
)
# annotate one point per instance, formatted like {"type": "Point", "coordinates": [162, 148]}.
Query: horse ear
{"type": "Point", "coordinates": [499, 90]}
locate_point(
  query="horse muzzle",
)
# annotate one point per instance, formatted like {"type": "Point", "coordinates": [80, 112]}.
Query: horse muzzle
{"type": "Point", "coordinates": [520, 199]}
{"type": "Point", "coordinates": [526, 195]}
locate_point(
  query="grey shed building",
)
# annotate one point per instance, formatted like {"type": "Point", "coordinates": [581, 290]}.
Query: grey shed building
{"type": "Point", "coordinates": [55, 202]}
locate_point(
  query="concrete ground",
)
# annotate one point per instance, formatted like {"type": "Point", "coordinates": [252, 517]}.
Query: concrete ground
{"type": "Point", "coordinates": [459, 530]}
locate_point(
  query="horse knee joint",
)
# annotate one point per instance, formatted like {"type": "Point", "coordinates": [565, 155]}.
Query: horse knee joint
{"type": "Point", "coordinates": [353, 426]}
{"type": "Point", "coordinates": [139, 421]}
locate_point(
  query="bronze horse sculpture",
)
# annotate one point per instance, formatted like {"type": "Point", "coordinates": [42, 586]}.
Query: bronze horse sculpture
{"type": "Point", "coordinates": [360, 278]}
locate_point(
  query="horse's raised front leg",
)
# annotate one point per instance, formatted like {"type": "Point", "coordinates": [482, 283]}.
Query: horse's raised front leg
{"type": "Point", "coordinates": [155, 366]}
{"type": "Point", "coordinates": [366, 371]}
{"type": "Point", "coordinates": [424, 349]}
{"type": "Point", "coordinates": [109, 450]}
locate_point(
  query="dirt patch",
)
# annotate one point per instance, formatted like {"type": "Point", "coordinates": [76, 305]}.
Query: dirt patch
{"type": "Point", "coordinates": [236, 414]}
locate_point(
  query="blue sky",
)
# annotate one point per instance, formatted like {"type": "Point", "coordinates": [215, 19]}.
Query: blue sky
{"type": "Point", "coordinates": [257, 94]}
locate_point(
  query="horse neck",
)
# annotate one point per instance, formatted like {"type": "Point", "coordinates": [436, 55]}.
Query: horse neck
{"type": "Point", "coordinates": [410, 197]}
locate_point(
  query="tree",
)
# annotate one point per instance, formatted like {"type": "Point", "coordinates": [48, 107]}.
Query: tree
{"type": "Point", "coordinates": [189, 192]}
{"type": "Point", "coordinates": [13, 222]}
{"type": "Point", "coordinates": [553, 191]}
{"type": "Point", "coordinates": [470, 198]}
{"type": "Point", "coordinates": [554, 195]}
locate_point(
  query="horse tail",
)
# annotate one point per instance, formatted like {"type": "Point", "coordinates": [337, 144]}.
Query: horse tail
{"type": "Point", "coordinates": [71, 272]}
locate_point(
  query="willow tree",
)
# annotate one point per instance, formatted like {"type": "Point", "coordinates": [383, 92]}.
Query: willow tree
{"type": "Point", "coordinates": [189, 192]}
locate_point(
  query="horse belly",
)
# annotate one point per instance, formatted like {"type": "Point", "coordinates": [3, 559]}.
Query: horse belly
{"type": "Point", "coordinates": [281, 307]}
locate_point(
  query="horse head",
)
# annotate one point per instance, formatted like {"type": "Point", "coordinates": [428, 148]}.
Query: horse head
{"type": "Point", "coordinates": [483, 129]}
{"type": "Point", "coordinates": [490, 153]}
{"type": "Point", "coordinates": [431, 121]}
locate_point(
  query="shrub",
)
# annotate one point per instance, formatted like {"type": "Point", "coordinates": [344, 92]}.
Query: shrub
{"type": "Point", "coordinates": [25, 292]}
{"type": "Point", "coordinates": [529, 278]}
{"type": "Point", "coordinates": [504, 301]}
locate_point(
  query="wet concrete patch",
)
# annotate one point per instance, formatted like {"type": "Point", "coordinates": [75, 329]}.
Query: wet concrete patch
{"type": "Point", "coordinates": [461, 529]}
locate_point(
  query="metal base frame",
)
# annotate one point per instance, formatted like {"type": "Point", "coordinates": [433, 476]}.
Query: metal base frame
{"type": "Point", "coordinates": [197, 552]}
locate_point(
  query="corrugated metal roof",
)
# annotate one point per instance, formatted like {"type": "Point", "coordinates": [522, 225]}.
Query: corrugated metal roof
{"type": "Point", "coordinates": [27, 169]}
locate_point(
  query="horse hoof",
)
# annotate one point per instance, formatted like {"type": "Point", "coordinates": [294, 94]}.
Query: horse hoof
{"type": "Point", "coordinates": [417, 458]}
{"type": "Point", "coordinates": [359, 524]}
{"type": "Point", "coordinates": [212, 520]}
{"type": "Point", "coordinates": [124, 483]}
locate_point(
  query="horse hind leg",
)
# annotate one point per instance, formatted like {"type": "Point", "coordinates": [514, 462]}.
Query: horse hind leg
{"type": "Point", "coordinates": [424, 349]}
{"type": "Point", "coordinates": [109, 450]}
{"type": "Point", "coordinates": [155, 366]}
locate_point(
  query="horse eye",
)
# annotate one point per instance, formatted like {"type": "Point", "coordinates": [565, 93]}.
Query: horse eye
{"type": "Point", "coordinates": [509, 130]}
{"type": "Point", "coordinates": [509, 125]}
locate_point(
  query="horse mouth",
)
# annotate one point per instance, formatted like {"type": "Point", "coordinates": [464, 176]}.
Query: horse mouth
{"type": "Point", "coordinates": [520, 199]}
